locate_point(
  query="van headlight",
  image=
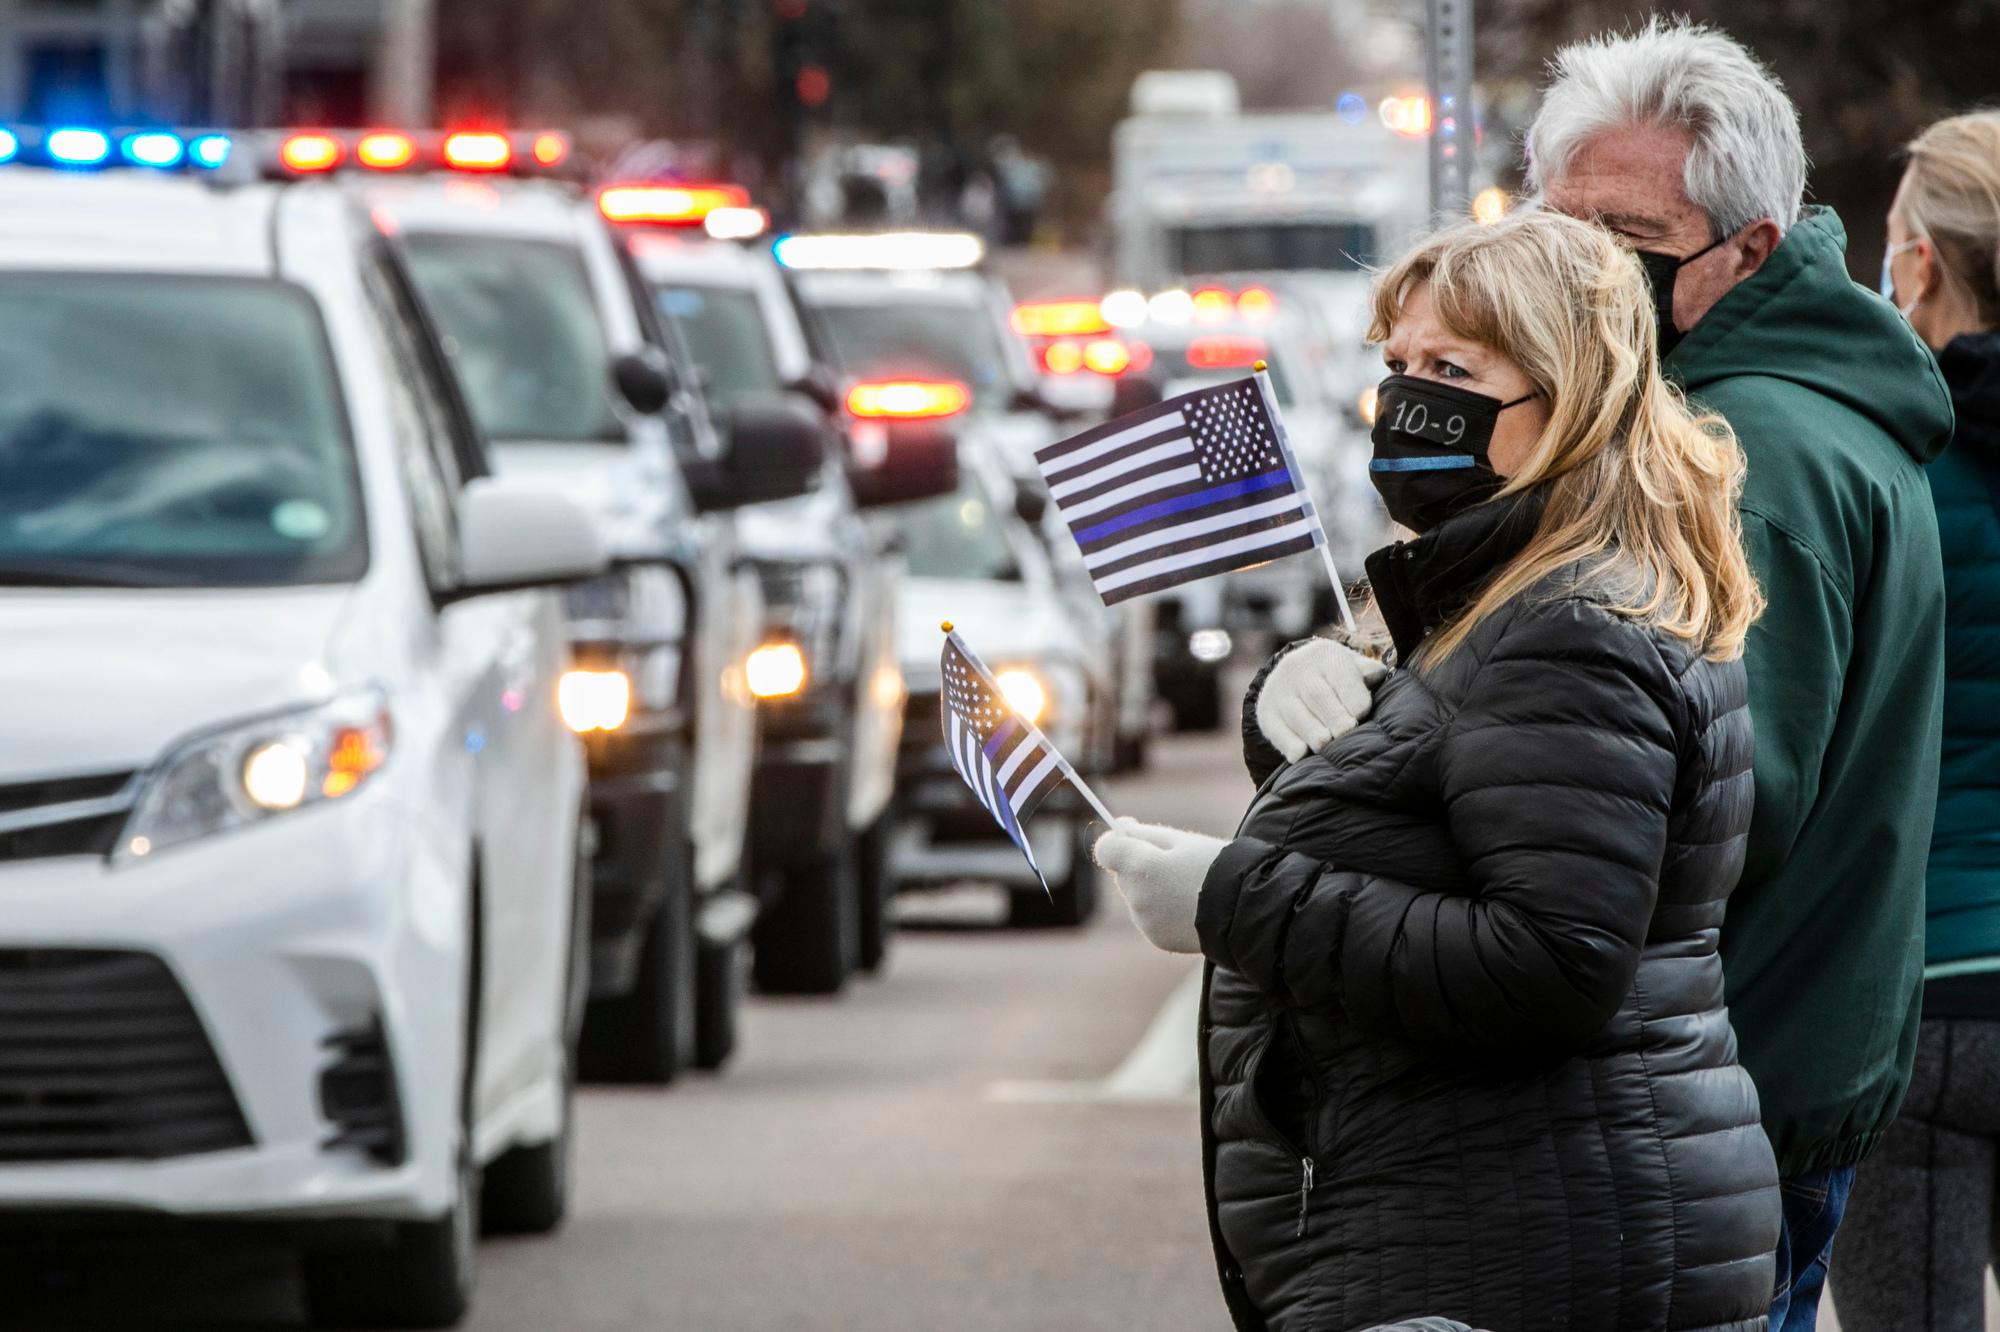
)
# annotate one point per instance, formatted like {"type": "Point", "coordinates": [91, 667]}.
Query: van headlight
{"type": "Point", "coordinates": [257, 770]}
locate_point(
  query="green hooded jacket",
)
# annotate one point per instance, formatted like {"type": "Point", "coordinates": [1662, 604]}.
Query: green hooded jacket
{"type": "Point", "coordinates": [1838, 405]}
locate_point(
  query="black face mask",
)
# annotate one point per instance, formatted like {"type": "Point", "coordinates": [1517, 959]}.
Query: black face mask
{"type": "Point", "coordinates": [1430, 449]}
{"type": "Point", "coordinates": [1661, 272]}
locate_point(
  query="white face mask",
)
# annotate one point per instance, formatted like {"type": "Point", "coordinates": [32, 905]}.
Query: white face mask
{"type": "Point", "coordinates": [1888, 288]}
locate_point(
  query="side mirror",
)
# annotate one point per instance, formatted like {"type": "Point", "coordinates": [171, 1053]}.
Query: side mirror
{"type": "Point", "coordinates": [1031, 504]}
{"type": "Point", "coordinates": [899, 462]}
{"type": "Point", "coordinates": [820, 387]}
{"type": "Point", "coordinates": [511, 537]}
{"type": "Point", "coordinates": [641, 383]}
{"type": "Point", "coordinates": [777, 446]}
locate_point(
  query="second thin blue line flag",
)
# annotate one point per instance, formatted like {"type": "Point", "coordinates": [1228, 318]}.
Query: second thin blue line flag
{"type": "Point", "coordinates": [1202, 484]}
{"type": "Point", "coordinates": [1009, 764]}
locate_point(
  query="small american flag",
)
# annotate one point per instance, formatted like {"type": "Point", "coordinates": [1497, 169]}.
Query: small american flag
{"type": "Point", "coordinates": [1008, 763]}
{"type": "Point", "coordinates": [1201, 484]}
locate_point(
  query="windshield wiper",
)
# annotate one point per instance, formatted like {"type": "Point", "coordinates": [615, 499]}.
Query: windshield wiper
{"type": "Point", "coordinates": [18, 572]}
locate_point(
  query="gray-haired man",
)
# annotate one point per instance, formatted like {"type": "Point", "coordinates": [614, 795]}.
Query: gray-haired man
{"type": "Point", "coordinates": [1678, 140]}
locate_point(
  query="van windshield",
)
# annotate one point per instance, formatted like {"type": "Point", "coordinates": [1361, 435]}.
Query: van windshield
{"type": "Point", "coordinates": [957, 536]}
{"type": "Point", "coordinates": [1266, 247]}
{"type": "Point", "coordinates": [724, 328]}
{"type": "Point", "coordinates": [171, 431]}
{"type": "Point", "coordinates": [522, 327]}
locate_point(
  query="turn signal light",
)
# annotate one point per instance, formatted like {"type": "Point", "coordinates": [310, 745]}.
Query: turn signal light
{"type": "Point", "coordinates": [310, 152]}
{"type": "Point", "coordinates": [908, 399]}
{"type": "Point", "coordinates": [478, 151]}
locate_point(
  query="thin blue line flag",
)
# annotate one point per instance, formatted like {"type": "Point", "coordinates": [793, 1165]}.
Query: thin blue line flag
{"type": "Point", "coordinates": [1201, 484]}
{"type": "Point", "coordinates": [1008, 763]}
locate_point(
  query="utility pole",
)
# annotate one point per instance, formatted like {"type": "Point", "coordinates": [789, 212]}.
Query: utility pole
{"type": "Point", "coordinates": [1448, 64]}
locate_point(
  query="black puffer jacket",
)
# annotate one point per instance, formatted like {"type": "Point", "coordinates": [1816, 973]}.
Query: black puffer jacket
{"type": "Point", "coordinates": [1464, 1050]}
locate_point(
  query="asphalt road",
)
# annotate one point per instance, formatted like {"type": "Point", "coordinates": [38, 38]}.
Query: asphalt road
{"type": "Point", "coordinates": [944, 1147]}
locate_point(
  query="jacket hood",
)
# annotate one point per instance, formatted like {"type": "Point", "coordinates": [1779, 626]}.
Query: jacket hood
{"type": "Point", "coordinates": [1802, 318]}
{"type": "Point", "coordinates": [1971, 366]}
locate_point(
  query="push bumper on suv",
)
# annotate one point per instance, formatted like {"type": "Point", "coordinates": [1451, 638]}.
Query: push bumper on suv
{"type": "Point", "coordinates": [798, 809]}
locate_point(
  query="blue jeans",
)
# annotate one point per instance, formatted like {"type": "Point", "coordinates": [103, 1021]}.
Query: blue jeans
{"type": "Point", "coordinates": [1813, 1204]}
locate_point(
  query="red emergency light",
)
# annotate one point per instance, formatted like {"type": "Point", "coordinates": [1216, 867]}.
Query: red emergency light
{"type": "Point", "coordinates": [1224, 351]}
{"type": "Point", "coordinates": [907, 399]}
{"type": "Point", "coordinates": [668, 205]}
{"type": "Point", "coordinates": [1058, 319]}
{"type": "Point", "coordinates": [478, 151]}
{"type": "Point", "coordinates": [310, 152]}
{"type": "Point", "coordinates": [385, 151]}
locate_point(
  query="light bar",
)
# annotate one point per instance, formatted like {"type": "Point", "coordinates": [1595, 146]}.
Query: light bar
{"type": "Point", "coordinates": [477, 152]}
{"type": "Point", "coordinates": [77, 147]}
{"type": "Point", "coordinates": [1212, 305]}
{"type": "Point", "coordinates": [1256, 303]}
{"type": "Point", "coordinates": [899, 251]}
{"type": "Point", "coordinates": [673, 205]}
{"type": "Point", "coordinates": [908, 399]}
{"type": "Point", "coordinates": [1058, 319]}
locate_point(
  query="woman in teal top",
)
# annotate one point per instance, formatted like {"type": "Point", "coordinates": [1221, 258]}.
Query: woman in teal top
{"type": "Point", "coordinates": [1923, 1223]}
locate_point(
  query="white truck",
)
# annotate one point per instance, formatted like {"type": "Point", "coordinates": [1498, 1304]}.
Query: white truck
{"type": "Point", "coordinates": [1201, 189]}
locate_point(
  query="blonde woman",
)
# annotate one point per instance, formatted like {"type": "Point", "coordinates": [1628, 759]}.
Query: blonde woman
{"type": "Point", "coordinates": [1923, 1222]}
{"type": "Point", "coordinates": [1463, 1045]}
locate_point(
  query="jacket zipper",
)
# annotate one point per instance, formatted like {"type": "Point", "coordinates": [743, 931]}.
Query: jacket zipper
{"type": "Point", "coordinates": [1305, 1193]}
{"type": "Point", "coordinates": [1306, 1167]}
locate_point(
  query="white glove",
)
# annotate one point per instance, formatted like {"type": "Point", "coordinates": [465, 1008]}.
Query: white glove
{"type": "Point", "coordinates": [1316, 693]}
{"type": "Point", "coordinates": [1160, 872]}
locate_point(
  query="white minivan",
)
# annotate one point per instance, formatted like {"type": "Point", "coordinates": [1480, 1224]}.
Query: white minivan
{"type": "Point", "coordinates": [289, 819]}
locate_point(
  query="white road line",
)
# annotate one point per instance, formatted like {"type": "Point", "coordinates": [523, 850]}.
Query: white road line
{"type": "Point", "coordinates": [1159, 1070]}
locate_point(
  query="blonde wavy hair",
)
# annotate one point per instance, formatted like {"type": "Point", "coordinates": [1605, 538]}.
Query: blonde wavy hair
{"type": "Point", "coordinates": [1951, 197]}
{"type": "Point", "coordinates": [1634, 480]}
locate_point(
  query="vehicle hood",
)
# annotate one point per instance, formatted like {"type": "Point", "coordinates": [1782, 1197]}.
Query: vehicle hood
{"type": "Point", "coordinates": [807, 528]}
{"type": "Point", "coordinates": [999, 621]}
{"type": "Point", "coordinates": [608, 481]}
{"type": "Point", "coordinates": [116, 677]}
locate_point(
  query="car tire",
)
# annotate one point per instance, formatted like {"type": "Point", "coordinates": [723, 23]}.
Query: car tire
{"type": "Point", "coordinates": [805, 942]}
{"type": "Point", "coordinates": [876, 889]}
{"type": "Point", "coordinates": [718, 1000]}
{"type": "Point", "coordinates": [526, 1190]}
{"type": "Point", "coordinates": [647, 1035]}
{"type": "Point", "coordinates": [424, 1277]}
{"type": "Point", "coordinates": [1069, 903]}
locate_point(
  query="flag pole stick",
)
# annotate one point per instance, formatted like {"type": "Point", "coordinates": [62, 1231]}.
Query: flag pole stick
{"type": "Point", "coordinates": [1262, 370]}
{"type": "Point", "coordinates": [1084, 790]}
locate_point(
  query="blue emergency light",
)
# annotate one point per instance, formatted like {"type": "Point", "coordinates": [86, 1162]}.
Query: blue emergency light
{"type": "Point", "coordinates": [84, 148]}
